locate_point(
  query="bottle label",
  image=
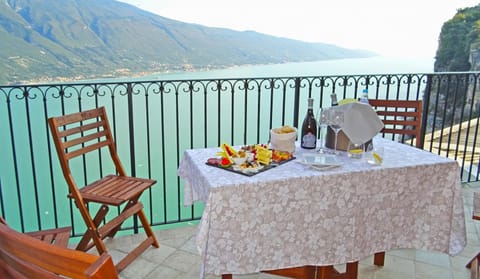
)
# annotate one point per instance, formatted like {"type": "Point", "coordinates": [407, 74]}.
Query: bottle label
{"type": "Point", "coordinates": [309, 141]}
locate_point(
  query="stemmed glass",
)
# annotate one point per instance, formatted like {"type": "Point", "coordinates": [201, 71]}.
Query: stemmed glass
{"type": "Point", "coordinates": [336, 123]}
{"type": "Point", "coordinates": [322, 118]}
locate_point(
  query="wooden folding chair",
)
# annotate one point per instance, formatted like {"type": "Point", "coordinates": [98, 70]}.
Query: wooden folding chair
{"type": "Point", "coordinates": [400, 117]}
{"type": "Point", "coordinates": [25, 257]}
{"type": "Point", "coordinates": [74, 136]}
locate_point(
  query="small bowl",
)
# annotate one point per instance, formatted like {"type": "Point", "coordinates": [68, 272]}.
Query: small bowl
{"type": "Point", "coordinates": [239, 160]}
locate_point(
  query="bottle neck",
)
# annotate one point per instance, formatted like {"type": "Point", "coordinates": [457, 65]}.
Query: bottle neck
{"type": "Point", "coordinates": [365, 93]}
{"type": "Point", "coordinates": [364, 98]}
{"type": "Point", "coordinates": [334, 100]}
{"type": "Point", "coordinates": [310, 104]}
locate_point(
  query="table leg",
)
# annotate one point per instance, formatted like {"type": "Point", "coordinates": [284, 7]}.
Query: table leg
{"type": "Point", "coordinates": [474, 269]}
{"type": "Point", "coordinates": [313, 272]}
{"type": "Point", "coordinates": [379, 259]}
{"type": "Point", "coordinates": [304, 272]}
{"type": "Point", "coordinates": [329, 272]}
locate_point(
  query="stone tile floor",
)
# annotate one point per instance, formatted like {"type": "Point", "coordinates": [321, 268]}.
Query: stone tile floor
{"type": "Point", "coordinates": [178, 258]}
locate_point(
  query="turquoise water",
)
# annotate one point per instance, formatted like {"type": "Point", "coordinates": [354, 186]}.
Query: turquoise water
{"type": "Point", "coordinates": [373, 65]}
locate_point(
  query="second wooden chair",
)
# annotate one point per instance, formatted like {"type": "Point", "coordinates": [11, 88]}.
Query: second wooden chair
{"type": "Point", "coordinates": [400, 117]}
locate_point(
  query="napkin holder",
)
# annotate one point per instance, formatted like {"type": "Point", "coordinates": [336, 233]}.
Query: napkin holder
{"type": "Point", "coordinates": [361, 124]}
{"type": "Point", "coordinates": [343, 140]}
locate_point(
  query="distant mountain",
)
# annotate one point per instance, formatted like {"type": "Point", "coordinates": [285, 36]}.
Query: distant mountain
{"type": "Point", "coordinates": [45, 40]}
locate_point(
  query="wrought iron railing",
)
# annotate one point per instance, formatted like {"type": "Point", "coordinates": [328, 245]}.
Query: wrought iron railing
{"type": "Point", "coordinates": [155, 121]}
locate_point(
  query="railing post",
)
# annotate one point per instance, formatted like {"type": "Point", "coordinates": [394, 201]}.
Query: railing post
{"type": "Point", "coordinates": [426, 102]}
{"type": "Point", "coordinates": [131, 134]}
{"type": "Point", "coordinates": [296, 106]}
{"type": "Point", "coordinates": [2, 205]}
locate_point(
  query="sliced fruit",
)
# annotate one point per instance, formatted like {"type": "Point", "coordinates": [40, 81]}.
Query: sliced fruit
{"type": "Point", "coordinates": [229, 150]}
{"type": "Point", "coordinates": [378, 158]}
{"type": "Point", "coordinates": [263, 154]}
{"type": "Point", "coordinates": [225, 162]}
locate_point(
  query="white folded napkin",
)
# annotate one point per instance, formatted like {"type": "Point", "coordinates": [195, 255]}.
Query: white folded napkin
{"type": "Point", "coordinates": [361, 122]}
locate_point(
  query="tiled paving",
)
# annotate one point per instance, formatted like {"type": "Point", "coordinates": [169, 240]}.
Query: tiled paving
{"type": "Point", "coordinates": [178, 258]}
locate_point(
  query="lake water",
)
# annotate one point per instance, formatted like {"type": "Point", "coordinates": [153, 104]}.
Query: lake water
{"type": "Point", "coordinates": [373, 65]}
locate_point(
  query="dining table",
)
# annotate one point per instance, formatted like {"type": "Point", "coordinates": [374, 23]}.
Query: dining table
{"type": "Point", "coordinates": [295, 215]}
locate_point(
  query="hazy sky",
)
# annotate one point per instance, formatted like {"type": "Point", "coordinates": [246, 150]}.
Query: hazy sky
{"type": "Point", "coordinates": [407, 28]}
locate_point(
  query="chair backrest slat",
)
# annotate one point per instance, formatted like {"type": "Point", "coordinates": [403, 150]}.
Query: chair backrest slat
{"type": "Point", "coordinates": [80, 116]}
{"type": "Point", "coordinates": [398, 113]}
{"type": "Point", "coordinates": [86, 149]}
{"type": "Point", "coordinates": [398, 122]}
{"type": "Point", "coordinates": [80, 129]}
{"type": "Point", "coordinates": [85, 139]}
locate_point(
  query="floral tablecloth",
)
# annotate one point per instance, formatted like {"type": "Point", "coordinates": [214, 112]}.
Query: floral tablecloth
{"type": "Point", "coordinates": [293, 215]}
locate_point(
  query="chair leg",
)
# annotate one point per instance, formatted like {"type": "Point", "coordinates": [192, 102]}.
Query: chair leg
{"type": "Point", "coordinates": [85, 244]}
{"type": "Point", "coordinates": [148, 228]}
{"type": "Point", "coordinates": [143, 219]}
{"type": "Point", "coordinates": [302, 272]}
{"type": "Point", "coordinates": [149, 241]}
{"type": "Point", "coordinates": [476, 258]}
{"type": "Point", "coordinates": [130, 203]}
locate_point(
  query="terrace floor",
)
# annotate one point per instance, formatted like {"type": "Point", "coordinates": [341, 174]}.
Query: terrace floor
{"type": "Point", "coordinates": [178, 258]}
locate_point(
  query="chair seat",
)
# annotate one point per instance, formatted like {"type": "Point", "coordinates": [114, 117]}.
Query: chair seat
{"type": "Point", "coordinates": [115, 190]}
{"type": "Point", "coordinates": [58, 237]}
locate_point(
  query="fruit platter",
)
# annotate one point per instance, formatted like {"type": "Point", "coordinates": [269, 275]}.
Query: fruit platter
{"type": "Point", "coordinates": [249, 159]}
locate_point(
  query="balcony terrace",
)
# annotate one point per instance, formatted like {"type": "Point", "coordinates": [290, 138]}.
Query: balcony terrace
{"type": "Point", "coordinates": [155, 121]}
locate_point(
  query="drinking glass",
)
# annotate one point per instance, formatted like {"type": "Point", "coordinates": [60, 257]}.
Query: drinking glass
{"type": "Point", "coordinates": [374, 154]}
{"type": "Point", "coordinates": [336, 123]}
{"type": "Point", "coordinates": [355, 150]}
{"type": "Point", "coordinates": [322, 118]}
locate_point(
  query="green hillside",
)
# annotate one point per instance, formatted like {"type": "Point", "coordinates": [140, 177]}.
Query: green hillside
{"type": "Point", "coordinates": [459, 39]}
{"type": "Point", "coordinates": [73, 39]}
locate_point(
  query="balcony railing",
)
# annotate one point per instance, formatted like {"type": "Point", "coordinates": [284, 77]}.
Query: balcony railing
{"type": "Point", "coordinates": [155, 121]}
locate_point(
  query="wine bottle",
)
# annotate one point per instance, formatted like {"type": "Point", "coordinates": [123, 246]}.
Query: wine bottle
{"type": "Point", "coordinates": [309, 128]}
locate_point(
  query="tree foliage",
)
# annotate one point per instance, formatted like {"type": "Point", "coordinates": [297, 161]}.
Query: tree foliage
{"type": "Point", "coordinates": [458, 37]}
{"type": "Point", "coordinates": [458, 51]}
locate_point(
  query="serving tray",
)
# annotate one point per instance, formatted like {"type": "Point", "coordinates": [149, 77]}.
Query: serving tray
{"type": "Point", "coordinates": [252, 173]}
